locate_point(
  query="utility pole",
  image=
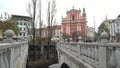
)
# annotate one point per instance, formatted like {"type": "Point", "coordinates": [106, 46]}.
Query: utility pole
{"type": "Point", "coordinates": [94, 27]}
{"type": "Point", "coordinates": [94, 22]}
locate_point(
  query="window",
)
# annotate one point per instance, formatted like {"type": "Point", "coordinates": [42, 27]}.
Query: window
{"type": "Point", "coordinates": [20, 28]}
{"type": "Point", "coordinates": [20, 34]}
{"type": "Point", "coordinates": [118, 30]}
{"type": "Point", "coordinates": [21, 19]}
{"type": "Point", "coordinates": [20, 23]}
{"type": "Point", "coordinates": [24, 23]}
{"type": "Point", "coordinates": [23, 34]}
{"type": "Point", "coordinates": [73, 18]}
{"type": "Point", "coordinates": [114, 31]}
{"type": "Point", "coordinates": [24, 29]}
{"type": "Point", "coordinates": [118, 24]}
{"type": "Point", "coordinates": [17, 23]}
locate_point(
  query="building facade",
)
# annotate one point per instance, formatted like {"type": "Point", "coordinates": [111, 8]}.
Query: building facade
{"type": "Point", "coordinates": [114, 28]}
{"type": "Point", "coordinates": [44, 32]}
{"type": "Point", "coordinates": [24, 24]}
{"type": "Point", "coordinates": [74, 22]}
{"type": "Point", "coordinates": [57, 32]}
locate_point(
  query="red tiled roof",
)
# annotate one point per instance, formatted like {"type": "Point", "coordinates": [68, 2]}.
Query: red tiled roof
{"type": "Point", "coordinates": [55, 27]}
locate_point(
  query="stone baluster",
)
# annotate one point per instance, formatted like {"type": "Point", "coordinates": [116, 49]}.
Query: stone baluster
{"type": "Point", "coordinates": [12, 58]}
{"type": "Point", "coordinates": [21, 52]}
{"type": "Point", "coordinates": [70, 46]}
{"type": "Point", "coordinates": [117, 55]}
{"type": "Point", "coordinates": [86, 53]}
{"type": "Point", "coordinates": [82, 52]}
{"type": "Point", "coordinates": [6, 58]}
{"type": "Point", "coordinates": [79, 46]}
{"type": "Point", "coordinates": [17, 54]}
{"type": "Point", "coordinates": [103, 55]}
{"type": "Point", "coordinates": [92, 53]}
{"type": "Point", "coordinates": [89, 53]}
{"type": "Point", "coordinates": [96, 54]}
{"type": "Point", "coordinates": [113, 61]}
{"type": "Point", "coordinates": [2, 62]}
{"type": "Point", "coordinates": [85, 50]}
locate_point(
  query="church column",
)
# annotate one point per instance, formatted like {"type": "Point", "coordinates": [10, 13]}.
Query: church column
{"type": "Point", "coordinates": [69, 28]}
{"type": "Point", "coordinates": [66, 28]}
{"type": "Point", "coordinates": [78, 27]}
{"type": "Point", "coordinates": [77, 16]}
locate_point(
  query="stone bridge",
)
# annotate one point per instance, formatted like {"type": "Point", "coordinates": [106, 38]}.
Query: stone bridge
{"type": "Point", "coordinates": [13, 53]}
{"type": "Point", "coordinates": [102, 54]}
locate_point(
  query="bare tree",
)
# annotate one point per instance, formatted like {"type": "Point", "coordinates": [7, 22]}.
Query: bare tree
{"type": "Point", "coordinates": [40, 22]}
{"type": "Point", "coordinates": [31, 9]}
{"type": "Point", "coordinates": [28, 8]}
{"type": "Point", "coordinates": [51, 17]}
{"type": "Point", "coordinates": [51, 11]}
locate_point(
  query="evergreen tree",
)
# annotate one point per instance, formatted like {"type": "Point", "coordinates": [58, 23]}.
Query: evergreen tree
{"type": "Point", "coordinates": [102, 28]}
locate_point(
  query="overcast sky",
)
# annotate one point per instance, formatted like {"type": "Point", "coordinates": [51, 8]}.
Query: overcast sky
{"type": "Point", "coordinates": [94, 8]}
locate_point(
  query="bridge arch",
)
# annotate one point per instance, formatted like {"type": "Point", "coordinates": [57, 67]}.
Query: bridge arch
{"type": "Point", "coordinates": [64, 65]}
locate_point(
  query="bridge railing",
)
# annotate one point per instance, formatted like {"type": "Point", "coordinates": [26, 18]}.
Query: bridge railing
{"type": "Point", "coordinates": [101, 54]}
{"type": "Point", "coordinates": [13, 52]}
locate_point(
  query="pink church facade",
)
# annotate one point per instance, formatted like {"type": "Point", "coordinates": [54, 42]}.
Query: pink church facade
{"type": "Point", "coordinates": [74, 22]}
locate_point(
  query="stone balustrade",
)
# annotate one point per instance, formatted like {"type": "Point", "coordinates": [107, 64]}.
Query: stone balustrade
{"type": "Point", "coordinates": [103, 54]}
{"type": "Point", "coordinates": [13, 54]}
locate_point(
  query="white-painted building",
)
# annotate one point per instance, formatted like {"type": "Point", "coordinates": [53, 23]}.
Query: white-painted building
{"type": "Point", "coordinates": [23, 23]}
{"type": "Point", "coordinates": [114, 28]}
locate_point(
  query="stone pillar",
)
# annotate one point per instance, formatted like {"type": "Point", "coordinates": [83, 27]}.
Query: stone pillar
{"type": "Point", "coordinates": [103, 52]}
{"type": "Point", "coordinates": [8, 38]}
